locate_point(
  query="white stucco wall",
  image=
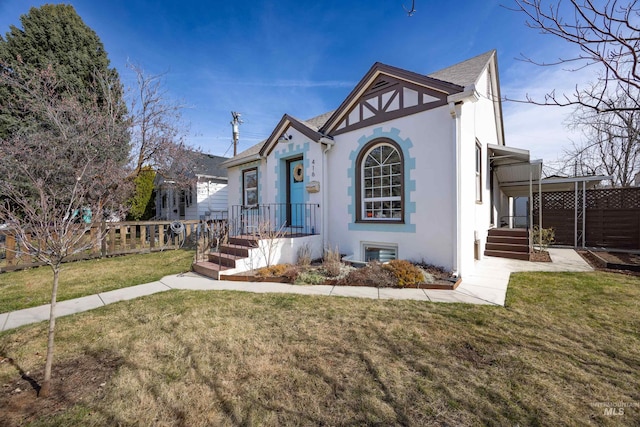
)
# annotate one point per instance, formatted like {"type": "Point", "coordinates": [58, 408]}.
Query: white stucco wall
{"type": "Point", "coordinates": [299, 146]}
{"type": "Point", "coordinates": [280, 251]}
{"type": "Point", "coordinates": [478, 123]}
{"type": "Point", "coordinates": [427, 141]}
{"type": "Point", "coordinates": [430, 231]}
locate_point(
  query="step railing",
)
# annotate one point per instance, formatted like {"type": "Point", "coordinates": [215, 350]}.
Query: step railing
{"type": "Point", "coordinates": [287, 219]}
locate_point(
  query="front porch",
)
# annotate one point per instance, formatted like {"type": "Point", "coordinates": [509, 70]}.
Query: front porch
{"type": "Point", "coordinates": [263, 235]}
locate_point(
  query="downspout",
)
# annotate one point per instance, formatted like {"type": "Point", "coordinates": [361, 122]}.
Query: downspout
{"type": "Point", "coordinates": [325, 190]}
{"type": "Point", "coordinates": [456, 233]}
{"type": "Point", "coordinates": [455, 109]}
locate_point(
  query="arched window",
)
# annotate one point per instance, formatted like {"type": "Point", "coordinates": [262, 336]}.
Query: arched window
{"type": "Point", "coordinates": [381, 182]}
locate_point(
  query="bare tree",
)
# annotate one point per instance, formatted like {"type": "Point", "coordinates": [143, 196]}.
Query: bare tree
{"type": "Point", "coordinates": [59, 171]}
{"type": "Point", "coordinates": [612, 141]}
{"type": "Point", "coordinates": [606, 36]}
{"type": "Point", "coordinates": [157, 130]}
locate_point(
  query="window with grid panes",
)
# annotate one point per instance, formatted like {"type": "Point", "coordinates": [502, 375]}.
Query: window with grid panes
{"type": "Point", "coordinates": [381, 183]}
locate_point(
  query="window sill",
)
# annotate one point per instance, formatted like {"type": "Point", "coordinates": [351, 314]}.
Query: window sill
{"type": "Point", "coordinates": [379, 221]}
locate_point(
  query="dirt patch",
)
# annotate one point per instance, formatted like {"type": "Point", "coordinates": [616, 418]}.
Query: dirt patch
{"type": "Point", "coordinates": [603, 261]}
{"type": "Point", "coordinates": [75, 381]}
{"type": "Point", "coordinates": [540, 257]}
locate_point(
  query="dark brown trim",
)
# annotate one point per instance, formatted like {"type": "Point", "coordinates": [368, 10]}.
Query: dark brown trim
{"type": "Point", "coordinates": [288, 121]}
{"type": "Point", "coordinates": [370, 78]}
{"type": "Point", "coordinates": [395, 87]}
{"type": "Point", "coordinates": [358, 183]}
{"type": "Point", "coordinates": [384, 117]}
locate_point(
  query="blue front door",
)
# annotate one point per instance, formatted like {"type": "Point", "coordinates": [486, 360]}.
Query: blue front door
{"type": "Point", "coordinates": [295, 192]}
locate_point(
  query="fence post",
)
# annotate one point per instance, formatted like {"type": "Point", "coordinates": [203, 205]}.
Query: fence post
{"type": "Point", "coordinates": [10, 249]}
{"type": "Point", "coordinates": [143, 236]}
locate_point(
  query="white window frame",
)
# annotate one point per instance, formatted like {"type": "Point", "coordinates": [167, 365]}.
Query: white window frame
{"type": "Point", "coordinates": [478, 171]}
{"type": "Point", "coordinates": [246, 189]}
{"type": "Point", "coordinates": [378, 245]}
{"type": "Point", "coordinates": [381, 199]}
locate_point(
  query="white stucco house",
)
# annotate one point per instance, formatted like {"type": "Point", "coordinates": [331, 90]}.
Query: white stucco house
{"type": "Point", "coordinates": [206, 199]}
{"type": "Point", "coordinates": [404, 168]}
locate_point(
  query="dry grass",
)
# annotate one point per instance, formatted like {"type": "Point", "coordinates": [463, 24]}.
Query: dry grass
{"type": "Point", "coordinates": [563, 344]}
{"type": "Point", "coordinates": [30, 288]}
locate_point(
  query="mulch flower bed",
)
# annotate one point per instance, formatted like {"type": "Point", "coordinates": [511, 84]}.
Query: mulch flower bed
{"type": "Point", "coordinates": [400, 275]}
{"type": "Point", "coordinates": [613, 261]}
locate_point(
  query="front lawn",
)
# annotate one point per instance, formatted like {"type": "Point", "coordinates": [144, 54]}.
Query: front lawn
{"type": "Point", "coordinates": [31, 288]}
{"type": "Point", "coordinates": [565, 346]}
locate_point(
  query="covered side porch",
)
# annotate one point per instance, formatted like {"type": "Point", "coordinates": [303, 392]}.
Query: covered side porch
{"type": "Point", "coordinates": [516, 182]}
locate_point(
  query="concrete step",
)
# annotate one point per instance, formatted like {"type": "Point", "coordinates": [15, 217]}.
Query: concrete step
{"type": "Point", "coordinates": [507, 247]}
{"type": "Point", "coordinates": [246, 241]}
{"type": "Point", "coordinates": [237, 250]}
{"type": "Point", "coordinates": [208, 269]}
{"type": "Point", "coordinates": [507, 254]}
{"type": "Point", "coordinates": [512, 232]}
{"type": "Point", "coordinates": [508, 239]}
{"type": "Point", "coordinates": [226, 260]}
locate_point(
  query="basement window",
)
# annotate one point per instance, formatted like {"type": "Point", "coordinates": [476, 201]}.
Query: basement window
{"type": "Point", "coordinates": [379, 252]}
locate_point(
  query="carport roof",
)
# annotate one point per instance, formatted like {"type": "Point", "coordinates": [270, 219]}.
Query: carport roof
{"type": "Point", "coordinates": [515, 173]}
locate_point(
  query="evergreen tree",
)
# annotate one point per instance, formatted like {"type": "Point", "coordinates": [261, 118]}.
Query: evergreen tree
{"type": "Point", "coordinates": [54, 36]}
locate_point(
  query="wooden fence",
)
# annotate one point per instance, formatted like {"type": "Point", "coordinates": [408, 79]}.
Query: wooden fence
{"type": "Point", "coordinates": [611, 216]}
{"type": "Point", "coordinates": [119, 238]}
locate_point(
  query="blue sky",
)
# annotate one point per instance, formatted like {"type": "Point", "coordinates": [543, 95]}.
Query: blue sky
{"type": "Point", "coordinates": [267, 58]}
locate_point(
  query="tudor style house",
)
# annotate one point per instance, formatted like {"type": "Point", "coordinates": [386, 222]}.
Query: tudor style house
{"type": "Point", "coordinates": [207, 199]}
{"type": "Point", "coordinates": [401, 169]}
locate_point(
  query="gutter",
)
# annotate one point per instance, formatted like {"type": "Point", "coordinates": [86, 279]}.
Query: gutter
{"type": "Point", "coordinates": [325, 190]}
{"type": "Point", "coordinates": [455, 109]}
{"type": "Point", "coordinates": [236, 162]}
{"type": "Point", "coordinates": [455, 115]}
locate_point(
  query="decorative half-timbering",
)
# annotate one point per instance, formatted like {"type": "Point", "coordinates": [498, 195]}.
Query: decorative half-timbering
{"type": "Point", "coordinates": [387, 98]}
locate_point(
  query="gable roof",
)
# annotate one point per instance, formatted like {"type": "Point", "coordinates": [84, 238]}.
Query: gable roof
{"type": "Point", "coordinates": [209, 165]}
{"type": "Point", "coordinates": [447, 81]}
{"type": "Point", "coordinates": [465, 73]}
{"type": "Point", "coordinates": [444, 88]}
{"type": "Point", "coordinates": [308, 127]}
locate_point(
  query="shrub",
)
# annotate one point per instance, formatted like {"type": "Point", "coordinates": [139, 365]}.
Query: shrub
{"type": "Point", "coordinates": [544, 239]}
{"type": "Point", "coordinates": [405, 272]}
{"type": "Point", "coordinates": [304, 255]}
{"type": "Point", "coordinates": [373, 274]}
{"type": "Point", "coordinates": [310, 278]}
{"type": "Point", "coordinates": [277, 270]}
{"type": "Point", "coordinates": [142, 203]}
{"type": "Point", "coordinates": [332, 262]}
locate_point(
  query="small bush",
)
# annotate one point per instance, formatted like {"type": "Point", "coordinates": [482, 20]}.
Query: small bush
{"type": "Point", "coordinates": [405, 272]}
{"type": "Point", "coordinates": [544, 239]}
{"type": "Point", "coordinates": [304, 255]}
{"type": "Point", "coordinates": [332, 262]}
{"type": "Point", "coordinates": [373, 274]}
{"type": "Point", "coordinates": [277, 270]}
{"type": "Point", "coordinates": [310, 278]}
{"type": "Point", "coordinates": [332, 255]}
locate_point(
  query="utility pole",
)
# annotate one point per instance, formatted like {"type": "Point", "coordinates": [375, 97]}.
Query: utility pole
{"type": "Point", "coordinates": [235, 124]}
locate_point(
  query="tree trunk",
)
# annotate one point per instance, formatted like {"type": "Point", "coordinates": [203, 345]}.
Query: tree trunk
{"type": "Point", "coordinates": [45, 389]}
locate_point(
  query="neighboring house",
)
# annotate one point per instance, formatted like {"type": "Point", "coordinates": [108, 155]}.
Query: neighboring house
{"type": "Point", "coordinates": [206, 200]}
{"type": "Point", "coordinates": [404, 168]}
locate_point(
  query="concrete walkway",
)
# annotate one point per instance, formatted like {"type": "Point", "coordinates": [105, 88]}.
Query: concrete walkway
{"type": "Point", "coordinates": [488, 285]}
